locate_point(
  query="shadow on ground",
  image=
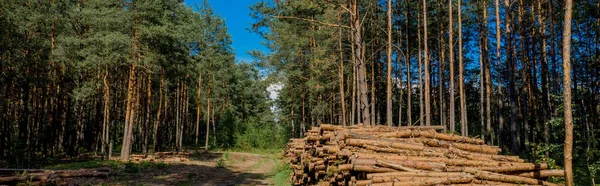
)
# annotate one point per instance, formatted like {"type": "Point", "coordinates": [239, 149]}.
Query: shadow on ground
{"type": "Point", "coordinates": [201, 169]}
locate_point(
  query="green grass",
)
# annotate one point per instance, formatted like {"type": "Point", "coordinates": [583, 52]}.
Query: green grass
{"type": "Point", "coordinates": [281, 173]}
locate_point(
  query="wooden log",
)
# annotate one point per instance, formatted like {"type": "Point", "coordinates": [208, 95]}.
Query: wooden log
{"type": "Point", "coordinates": [416, 174]}
{"type": "Point", "coordinates": [543, 173]}
{"type": "Point", "coordinates": [410, 164]}
{"type": "Point", "coordinates": [371, 169]}
{"type": "Point", "coordinates": [510, 166]}
{"type": "Point", "coordinates": [399, 145]}
{"type": "Point", "coordinates": [490, 176]}
{"type": "Point", "coordinates": [428, 181]}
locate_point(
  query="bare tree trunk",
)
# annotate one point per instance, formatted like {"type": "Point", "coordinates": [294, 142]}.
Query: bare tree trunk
{"type": "Point", "coordinates": [408, 72]}
{"type": "Point", "coordinates": [389, 64]}
{"type": "Point", "coordinates": [498, 67]}
{"type": "Point", "coordinates": [488, 79]}
{"type": "Point", "coordinates": [566, 54]}
{"type": "Point", "coordinates": [461, 78]}
{"type": "Point", "coordinates": [341, 73]}
{"type": "Point", "coordinates": [362, 83]}
{"type": "Point", "coordinates": [158, 112]}
{"type": "Point", "coordinates": [452, 118]}
{"type": "Point", "coordinates": [214, 127]}
{"type": "Point", "coordinates": [426, 61]}
{"type": "Point", "coordinates": [177, 114]}
{"type": "Point", "coordinates": [354, 80]}
{"type": "Point", "coordinates": [481, 80]}
{"type": "Point", "coordinates": [106, 122]}
{"type": "Point", "coordinates": [207, 114]}
{"type": "Point", "coordinates": [130, 110]}
{"type": "Point", "coordinates": [198, 106]}
{"type": "Point", "coordinates": [421, 117]}
{"type": "Point", "coordinates": [545, 84]}
{"type": "Point", "coordinates": [441, 69]}
{"type": "Point", "coordinates": [147, 122]}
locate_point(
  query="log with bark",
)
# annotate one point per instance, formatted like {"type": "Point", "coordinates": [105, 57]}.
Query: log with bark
{"type": "Point", "coordinates": [43, 176]}
{"type": "Point", "coordinates": [383, 155]}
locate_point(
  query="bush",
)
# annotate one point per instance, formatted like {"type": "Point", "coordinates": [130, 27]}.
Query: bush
{"type": "Point", "coordinates": [131, 167]}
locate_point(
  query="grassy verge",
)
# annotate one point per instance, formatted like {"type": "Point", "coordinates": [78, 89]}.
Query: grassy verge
{"type": "Point", "coordinates": [281, 173]}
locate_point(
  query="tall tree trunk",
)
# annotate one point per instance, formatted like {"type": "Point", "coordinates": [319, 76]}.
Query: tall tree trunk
{"type": "Point", "coordinates": [421, 117]}
{"type": "Point", "coordinates": [441, 70]}
{"type": "Point", "coordinates": [106, 122]}
{"type": "Point", "coordinates": [408, 72]}
{"type": "Point", "coordinates": [341, 73]}
{"type": "Point", "coordinates": [461, 78]}
{"type": "Point", "coordinates": [481, 79]}
{"type": "Point", "coordinates": [158, 112]}
{"type": "Point", "coordinates": [130, 110]}
{"type": "Point", "coordinates": [426, 61]}
{"type": "Point", "coordinates": [566, 54]}
{"type": "Point", "coordinates": [207, 113]}
{"type": "Point", "coordinates": [511, 53]}
{"type": "Point", "coordinates": [355, 113]}
{"type": "Point", "coordinates": [452, 117]}
{"type": "Point", "coordinates": [147, 122]}
{"type": "Point", "coordinates": [362, 83]}
{"type": "Point", "coordinates": [498, 67]}
{"type": "Point", "coordinates": [198, 106]}
{"type": "Point", "coordinates": [488, 78]}
{"type": "Point", "coordinates": [389, 65]}
{"type": "Point", "coordinates": [545, 84]}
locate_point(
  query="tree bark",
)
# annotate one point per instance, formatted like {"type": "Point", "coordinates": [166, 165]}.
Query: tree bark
{"type": "Point", "coordinates": [389, 65]}
{"type": "Point", "coordinates": [426, 61]}
{"type": "Point", "coordinates": [419, 56]}
{"type": "Point", "coordinates": [408, 72]}
{"type": "Point", "coordinates": [198, 106]}
{"type": "Point", "coordinates": [362, 83]}
{"type": "Point", "coordinates": [341, 73]}
{"type": "Point", "coordinates": [452, 118]}
{"type": "Point", "coordinates": [498, 67]}
{"type": "Point", "coordinates": [568, 113]}
{"type": "Point", "coordinates": [461, 78]}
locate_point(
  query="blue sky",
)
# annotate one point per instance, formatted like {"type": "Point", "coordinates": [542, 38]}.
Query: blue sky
{"type": "Point", "coordinates": [237, 17]}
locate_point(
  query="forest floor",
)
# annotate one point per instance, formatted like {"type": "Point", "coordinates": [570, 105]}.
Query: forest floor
{"type": "Point", "coordinates": [206, 168]}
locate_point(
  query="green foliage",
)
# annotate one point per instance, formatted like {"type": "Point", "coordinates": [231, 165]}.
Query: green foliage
{"type": "Point", "coordinates": [258, 135]}
{"type": "Point", "coordinates": [221, 162]}
{"type": "Point", "coordinates": [131, 167]}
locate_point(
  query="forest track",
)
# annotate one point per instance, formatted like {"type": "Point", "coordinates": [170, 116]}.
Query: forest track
{"type": "Point", "coordinates": [237, 168]}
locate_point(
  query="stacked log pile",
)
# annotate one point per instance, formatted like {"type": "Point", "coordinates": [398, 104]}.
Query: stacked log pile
{"type": "Point", "coordinates": [360, 155]}
{"type": "Point", "coordinates": [43, 176]}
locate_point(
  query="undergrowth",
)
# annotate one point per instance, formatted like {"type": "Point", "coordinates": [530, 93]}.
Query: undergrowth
{"type": "Point", "coordinates": [281, 173]}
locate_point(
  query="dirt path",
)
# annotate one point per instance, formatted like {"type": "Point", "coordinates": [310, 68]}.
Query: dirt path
{"type": "Point", "coordinates": [237, 169]}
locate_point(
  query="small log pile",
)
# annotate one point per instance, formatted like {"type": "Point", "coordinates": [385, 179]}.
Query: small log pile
{"type": "Point", "coordinates": [360, 155]}
{"type": "Point", "coordinates": [161, 156]}
{"type": "Point", "coordinates": [43, 176]}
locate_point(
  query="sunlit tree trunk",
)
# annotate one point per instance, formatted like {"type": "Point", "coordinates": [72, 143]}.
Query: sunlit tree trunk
{"type": "Point", "coordinates": [452, 118]}
{"type": "Point", "coordinates": [568, 113]}
{"type": "Point", "coordinates": [426, 61]}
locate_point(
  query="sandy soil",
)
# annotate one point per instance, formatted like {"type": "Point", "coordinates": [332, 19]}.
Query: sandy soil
{"type": "Point", "coordinates": [240, 169]}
